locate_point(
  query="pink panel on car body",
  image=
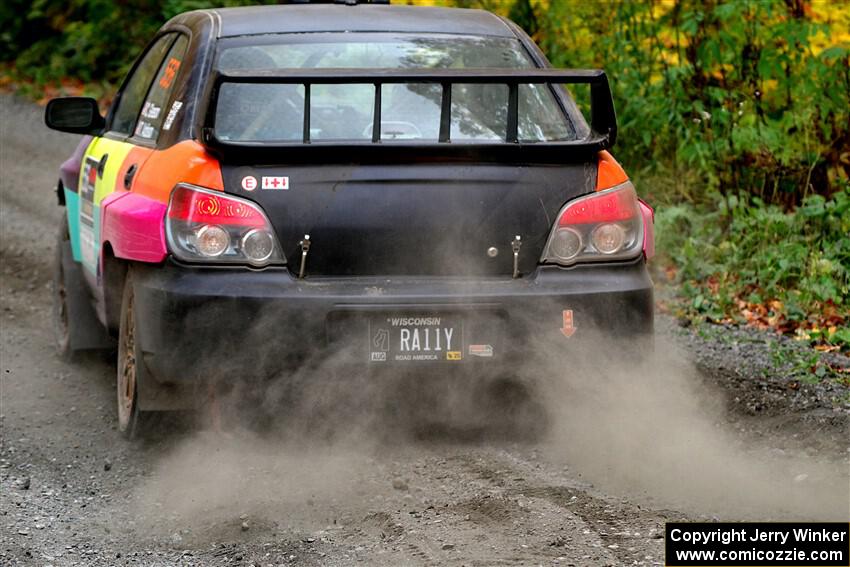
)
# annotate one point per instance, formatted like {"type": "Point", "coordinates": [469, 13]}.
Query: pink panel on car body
{"type": "Point", "coordinates": [134, 226]}
{"type": "Point", "coordinates": [648, 229]}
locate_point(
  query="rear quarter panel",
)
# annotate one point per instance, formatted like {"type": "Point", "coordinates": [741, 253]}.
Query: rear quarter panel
{"type": "Point", "coordinates": [133, 221]}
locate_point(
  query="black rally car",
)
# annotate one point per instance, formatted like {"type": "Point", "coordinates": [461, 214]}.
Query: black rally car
{"type": "Point", "coordinates": [413, 187]}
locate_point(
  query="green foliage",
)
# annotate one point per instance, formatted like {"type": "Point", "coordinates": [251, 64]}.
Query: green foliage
{"type": "Point", "coordinates": [796, 263]}
{"type": "Point", "coordinates": [728, 96]}
{"type": "Point", "coordinates": [522, 13]}
{"type": "Point", "coordinates": [798, 363]}
{"type": "Point", "coordinates": [48, 41]}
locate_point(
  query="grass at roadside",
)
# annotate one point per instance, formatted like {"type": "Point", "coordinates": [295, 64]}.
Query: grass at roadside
{"type": "Point", "coordinates": [757, 265]}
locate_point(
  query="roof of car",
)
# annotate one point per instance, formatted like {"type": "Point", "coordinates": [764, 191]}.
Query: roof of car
{"type": "Point", "coordinates": [303, 18]}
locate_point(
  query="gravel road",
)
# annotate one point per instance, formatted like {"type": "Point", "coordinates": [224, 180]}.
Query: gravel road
{"type": "Point", "coordinates": [708, 429]}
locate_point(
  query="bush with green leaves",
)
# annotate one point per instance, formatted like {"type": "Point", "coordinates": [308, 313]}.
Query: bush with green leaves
{"type": "Point", "coordinates": [796, 262]}
{"type": "Point", "coordinates": [48, 41]}
{"type": "Point", "coordinates": [735, 97]}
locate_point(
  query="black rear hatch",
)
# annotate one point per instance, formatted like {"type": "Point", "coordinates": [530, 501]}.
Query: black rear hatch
{"type": "Point", "coordinates": [441, 219]}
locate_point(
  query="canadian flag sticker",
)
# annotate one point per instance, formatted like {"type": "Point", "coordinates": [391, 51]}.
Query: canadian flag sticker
{"type": "Point", "coordinates": [275, 183]}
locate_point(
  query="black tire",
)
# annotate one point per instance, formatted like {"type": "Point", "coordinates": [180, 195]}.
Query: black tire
{"type": "Point", "coordinates": [133, 423]}
{"type": "Point", "coordinates": [75, 323]}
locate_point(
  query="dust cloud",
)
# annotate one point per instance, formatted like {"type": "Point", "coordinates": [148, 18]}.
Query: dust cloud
{"type": "Point", "coordinates": [644, 424]}
{"type": "Point", "coordinates": [214, 482]}
{"type": "Point", "coordinates": [296, 448]}
{"type": "Point", "coordinates": [633, 422]}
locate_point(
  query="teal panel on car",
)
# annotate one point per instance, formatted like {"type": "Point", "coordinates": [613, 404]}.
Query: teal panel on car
{"type": "Point", "coordinates": [72, 206]}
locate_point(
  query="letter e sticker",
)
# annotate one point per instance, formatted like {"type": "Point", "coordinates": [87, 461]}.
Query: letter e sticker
{"type": "Point", "coordinates": [249, 183]}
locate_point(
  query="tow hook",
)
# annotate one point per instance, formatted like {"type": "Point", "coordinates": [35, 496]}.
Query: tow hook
{"type": "Point", "coordinates": [516, 245]}
{"type": "Point", "coordinates": [305, 247]}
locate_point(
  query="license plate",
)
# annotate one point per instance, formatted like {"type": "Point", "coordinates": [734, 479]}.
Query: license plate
{"type": "Point", "coordinates": [416, 338]}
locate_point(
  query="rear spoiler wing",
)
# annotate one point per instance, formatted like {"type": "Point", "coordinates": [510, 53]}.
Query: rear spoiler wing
{"type": "Point", "coordinates": [603, 122]}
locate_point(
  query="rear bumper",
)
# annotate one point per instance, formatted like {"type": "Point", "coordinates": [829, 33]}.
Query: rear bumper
{"type": "Point", "coordinates": [235, 324]}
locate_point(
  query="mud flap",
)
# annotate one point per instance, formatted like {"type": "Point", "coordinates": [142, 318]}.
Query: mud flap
{"type": "Point", "coordinates": [86, 332]}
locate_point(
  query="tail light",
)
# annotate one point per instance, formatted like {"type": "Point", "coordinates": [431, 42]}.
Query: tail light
{"type": "Point", "coordinates": [606, 225]}
{"type": "Point", "coordinates": [208, 226]}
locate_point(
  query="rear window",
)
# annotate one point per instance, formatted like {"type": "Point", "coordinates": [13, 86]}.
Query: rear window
{"type": "Point", "coordinates": [251, 112]}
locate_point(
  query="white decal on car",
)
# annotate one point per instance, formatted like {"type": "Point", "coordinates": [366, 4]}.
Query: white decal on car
{"type": "Point", "coordinates": [249, 183]}
{"type": "Point", "coordinates": [275, 183]}
{"type": "Point", "coordinates": [145, 130]}
{"type": "Point", "coordinates": [172, 114]}
{"type": "Point", "coordinates": [150, 110]}
{"type": "Point", "coordinates": [484, 351]}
